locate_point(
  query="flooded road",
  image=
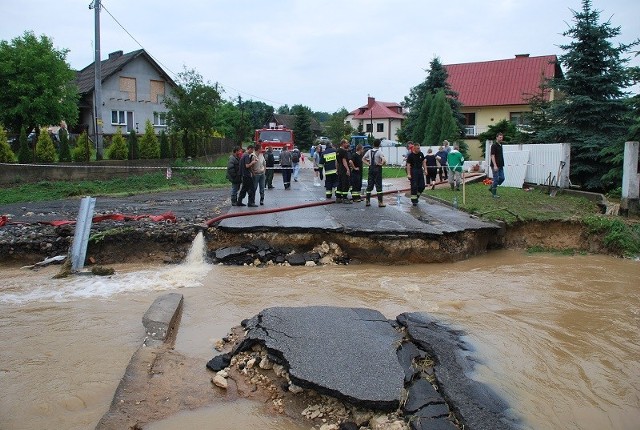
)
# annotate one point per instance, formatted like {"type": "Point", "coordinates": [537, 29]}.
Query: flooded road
{"type": "Point", "coordinates": [558, 337]}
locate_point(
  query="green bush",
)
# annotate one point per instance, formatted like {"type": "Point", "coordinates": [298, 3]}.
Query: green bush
{"type": "Point", "coordinates": [149, 146]}
{"type": "Point", "coordinates": [45, 149]}
{"type": "Point", "coordinates": [6, 154]}
{"type": "Point", "coordinates": [83, 152]}
{"type": "Point", "coordinates": [619, 236]}
{"type": "Point", "coordinates": [118, 150]}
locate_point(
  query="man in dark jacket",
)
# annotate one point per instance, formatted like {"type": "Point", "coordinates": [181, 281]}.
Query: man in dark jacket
{"type": "Point", "coordinates": [246, 163]}
{"type": "Point", "coordinates": [271, 163]}
{"type": "Point", "coordinates": [233, 173]}
{"type": "Point", "coordinates": [286, 164]}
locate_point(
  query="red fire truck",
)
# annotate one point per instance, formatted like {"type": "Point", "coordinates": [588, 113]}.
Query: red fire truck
{"type": "Point", "coordinates": [275, 137]}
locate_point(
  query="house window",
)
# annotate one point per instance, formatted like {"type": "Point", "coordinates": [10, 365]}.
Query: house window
{"type": "Point", "coordinates": [157, 91]}
{"type": "Point", "coordinates": [128, 87]}
{"type": "Point", "coordinates": [160, 119]}
{"type": "Point", "coordinates": [522, 121]}
{"type": "Point", "coordinates": [369, 128]}
{"type": "Point", "coordinates": [118, 117]}
{"type": "Point", "coordinates": [470, 118]}
{"type": "Point", "coordinates": [470, 128]}
{"type": "Point", "coordinates": [519, 118]}
{"type": "Point", "coordinates": [380, 127]}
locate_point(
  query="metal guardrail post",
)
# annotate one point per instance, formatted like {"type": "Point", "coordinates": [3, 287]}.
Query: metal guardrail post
{"type": "Point", "coordinates": [81, 235]}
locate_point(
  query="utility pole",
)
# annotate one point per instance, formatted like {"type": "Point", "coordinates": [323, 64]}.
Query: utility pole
{"type": "Point", "coordinates": [97, 124]}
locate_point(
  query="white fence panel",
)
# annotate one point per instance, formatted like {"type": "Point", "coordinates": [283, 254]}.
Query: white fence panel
{"type": "Point", "coordinates": [544, 161]}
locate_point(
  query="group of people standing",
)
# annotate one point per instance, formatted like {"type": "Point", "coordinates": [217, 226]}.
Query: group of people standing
{"type": "Point", "coordinates": [447, 162]}
{"type": "Point", "coordinates": [342, 169]}
{"type": "Point", "coordinates": [247, 173]}
{"type": "Point", "coordinates": [252, 171]}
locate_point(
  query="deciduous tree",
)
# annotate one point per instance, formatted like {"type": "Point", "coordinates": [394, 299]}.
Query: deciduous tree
{"type": "Point", "coordinates": [38, 86]}
{"type": "Point", "coordinates": [193, 110]}
{"type": "Point", "coordinates": [337, 128]}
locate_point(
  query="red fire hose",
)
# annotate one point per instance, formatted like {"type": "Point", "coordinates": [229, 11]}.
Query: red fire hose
{"type": "Point", "coordinates": [217, 219]}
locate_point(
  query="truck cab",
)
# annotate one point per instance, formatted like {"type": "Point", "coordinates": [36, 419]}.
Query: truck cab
{"type": "Point", "coordinates": [275, 137]}
{"type": "Point", "coordinates": [357, 139]}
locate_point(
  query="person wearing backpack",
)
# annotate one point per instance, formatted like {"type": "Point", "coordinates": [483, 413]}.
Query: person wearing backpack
{"type": "Point", "coordinates": [295, 160]}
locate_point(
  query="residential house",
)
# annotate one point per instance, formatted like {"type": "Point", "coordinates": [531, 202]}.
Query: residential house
{"type": "Point", "coordinates": [134, 88]}
{"type": "Point", "coordinates": [380, 119]}
{"type": "Point", "coordinates": [491, 91]}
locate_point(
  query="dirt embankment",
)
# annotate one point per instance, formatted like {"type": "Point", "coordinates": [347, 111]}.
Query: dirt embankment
{"type": "Point", "coordinates": [169, 243]}
{"type": "Point", "coordinates": [26, 240]}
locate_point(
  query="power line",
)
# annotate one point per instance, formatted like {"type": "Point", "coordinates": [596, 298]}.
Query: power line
{"type": "Point", "coordinates": [172, 72]}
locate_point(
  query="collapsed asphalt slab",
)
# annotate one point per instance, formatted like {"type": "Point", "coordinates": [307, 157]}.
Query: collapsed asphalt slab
{"type": "Point", "coordinates": [474, 403]}
{"type": "Point", "coordinates": [358, 344]}
{"type": "Point", "coordinates": [412, 367]}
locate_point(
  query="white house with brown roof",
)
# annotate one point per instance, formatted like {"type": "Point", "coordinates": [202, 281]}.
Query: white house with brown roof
{"type": "Point", "coordinates": [491, 91]}
{"type": "Point", "coordinates": [380, 119]}
{"type": "Point", "coordinates": [134, 88]}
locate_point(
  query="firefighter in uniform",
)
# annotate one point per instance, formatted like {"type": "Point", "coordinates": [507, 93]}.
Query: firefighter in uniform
{"type": "Point", "coordinates": [344, 172]}
{"type": "Point", "coordinates": [375, 159]}
{"type": "Point", "coordinates": [416, 168]}
{"type": "Point", "coordinates": [330, 171]}
{"type": "Point", "coordinates": [356, 174]}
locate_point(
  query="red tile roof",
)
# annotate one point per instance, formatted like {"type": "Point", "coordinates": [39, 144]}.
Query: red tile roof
{"type": "Point", "coordinates": [378, 110]}
{"type": "Point", "coordinates": [501, 82]}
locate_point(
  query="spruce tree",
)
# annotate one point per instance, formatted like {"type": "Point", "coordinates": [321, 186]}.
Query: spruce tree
{"type": "Point", "coordinates": [149, 147]}
{"type": "Point", "coordinates": [418, 134]}
{"type": "Point", "coordinates": [118, 150]}
{"type": "Point", "coordinates": [45, 149]}
{"type": "Point", "coordinates": [165, 148]}
{"type": "Point", "coordinates": [302, 128]}
{"type": "Point", "coordinates": [64, 153]}
{"type": "Point", "coordinates": [591, 113]}
{"type": "Point", "coordinates": [25, 155]}
{"type": "Point", "coordinates": [132, 141]}
{"type": "Point", "coordinates": [434, 123]}
{"type": "Point", "coordinates": [6, 154]}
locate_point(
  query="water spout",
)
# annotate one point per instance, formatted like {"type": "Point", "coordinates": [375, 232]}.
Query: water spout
{"type": "Point", "coordinates": [198, 251]}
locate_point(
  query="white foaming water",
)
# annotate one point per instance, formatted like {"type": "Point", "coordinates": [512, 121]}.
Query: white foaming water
{"type": "Point", "coordinates": [188, 274]}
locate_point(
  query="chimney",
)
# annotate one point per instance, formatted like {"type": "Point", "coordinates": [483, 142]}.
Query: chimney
{"type": "Point", "coordinates": [522, 55]}
{"type": "Point", "coordinates": [114, 55]}
{"type": "Point", "coordinates": [370, 101]}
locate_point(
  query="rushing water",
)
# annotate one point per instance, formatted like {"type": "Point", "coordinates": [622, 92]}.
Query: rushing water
{"type": "Point", "coordinates": [558, 337]}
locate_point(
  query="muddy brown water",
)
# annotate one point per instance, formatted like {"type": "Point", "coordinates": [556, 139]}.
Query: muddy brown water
{"type": "Point", "coordinates": [558, 337]}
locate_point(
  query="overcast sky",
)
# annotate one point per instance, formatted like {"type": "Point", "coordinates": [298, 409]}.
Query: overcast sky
{"type": "Point", "coordinates": [323, 54]}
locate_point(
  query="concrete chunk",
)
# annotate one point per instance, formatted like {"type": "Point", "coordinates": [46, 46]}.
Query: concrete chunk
{"type": "Point", "coordinates": [162, 315]}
